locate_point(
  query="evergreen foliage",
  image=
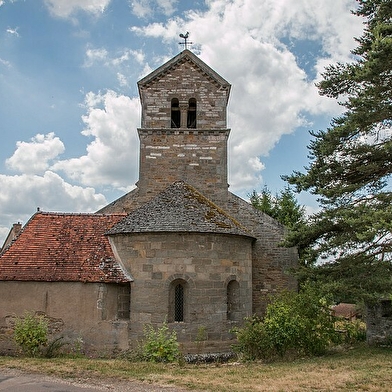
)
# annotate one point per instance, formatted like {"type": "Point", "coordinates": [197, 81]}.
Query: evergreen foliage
{"type": "Point", "coordinates": [283, 206]}
{"type": "Point", "coordinates": [350, 170]}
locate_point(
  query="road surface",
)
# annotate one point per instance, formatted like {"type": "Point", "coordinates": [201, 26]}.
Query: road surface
{"type": "Point", "coordinates": [15, 381]}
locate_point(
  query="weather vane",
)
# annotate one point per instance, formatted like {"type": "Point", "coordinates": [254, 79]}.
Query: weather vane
{"type": "Point", "coordinates": [185, 43]}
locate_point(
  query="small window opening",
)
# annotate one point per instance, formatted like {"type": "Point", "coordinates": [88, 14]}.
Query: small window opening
{"type": "Point", "coordinates": [233, 301]}
{"type": "Point", "coordinates": [123, 302]}
{"type": "Point", "coordinates": [179, 302]}
{"type": "Point", "coordinates": [191, 119]}
{"type": "Point", "coordinates": [175, 113]}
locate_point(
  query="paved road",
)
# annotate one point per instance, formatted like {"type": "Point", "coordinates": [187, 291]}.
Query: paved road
{"type": "Point", "coordinates": [34, 383]}
{"type": "Point", "coordinates": [12, 381]}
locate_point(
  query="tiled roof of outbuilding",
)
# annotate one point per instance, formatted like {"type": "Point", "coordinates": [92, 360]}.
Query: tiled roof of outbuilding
{"type": "Point", "coordinates": [179, 208]}
{"type": "Point", "coordinates": [63, 247]}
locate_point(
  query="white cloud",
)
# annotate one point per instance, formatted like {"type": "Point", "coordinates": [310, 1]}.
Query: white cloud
{"type": "Point", "coordinates": [167, 6]}
{"type": "Point", "coordinates": [21, 195]}
{"type": "Point", "coordinates": [5, 62]}
{"type": "Point", "coordinates": [141, 8]}
{"type": "Point", "coordinates": [101, 56]}
{"type": "Point", "coordinates": [64, 8]}
{"type": "Point", "coordinates": [146, 8]}
{"type": "Point", "coordinates": [13, 31]}
{"type": "Point", "coordinates": [34, 157]}
{"type": "Point", "coordinates": [95, 55]}
{"type": "Point", "coordinates": [122, 79]}
{"type": "Point", "coordinates": [111, 157]}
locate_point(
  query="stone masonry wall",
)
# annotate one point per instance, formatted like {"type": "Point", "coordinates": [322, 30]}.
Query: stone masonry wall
{"type": "Point", "coordinates": [271, 261]}
{"type": "Point", "coordinates": [207, 262]}
{"type": "Point", "coordinates": [379, 323]}
{"type": "Point", "coordinates": [185, 81]}
{"type": "Point", "coordinates": [196, 157]}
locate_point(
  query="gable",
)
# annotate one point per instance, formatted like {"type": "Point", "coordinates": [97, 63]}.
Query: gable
{"type": "Point", "coordinates": [63, 247]}
{"type": "Point", "coordinates": [183, 85]}
{"type": "Point", "coordinates": [185, 56]}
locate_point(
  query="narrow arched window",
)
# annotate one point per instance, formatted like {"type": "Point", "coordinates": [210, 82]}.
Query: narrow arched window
{"type": "Point", "coordinates": [177, 300]}
{"type": "Point", "coordinates": [233, 301]}
{"type": "Point", "coordinates": [191, 118]}
{"type": "Point", "coordinates": [175, 113]}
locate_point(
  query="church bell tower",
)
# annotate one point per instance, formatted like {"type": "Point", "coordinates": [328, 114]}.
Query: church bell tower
{"type": "Point", "coordinates": [183, 134]}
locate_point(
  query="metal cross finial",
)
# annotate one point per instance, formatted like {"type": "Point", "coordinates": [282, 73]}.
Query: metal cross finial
{"type": "Point", "coordinates": [185, 43]}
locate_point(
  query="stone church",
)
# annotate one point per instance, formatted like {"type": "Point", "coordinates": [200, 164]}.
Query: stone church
{"type": "Point", "coordinates": [179, 248]}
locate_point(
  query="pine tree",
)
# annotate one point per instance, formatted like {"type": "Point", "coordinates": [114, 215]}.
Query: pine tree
{"type": "Point", "coordinates": [351, 167]}
{"type": "Point", "coordinates": [283, 206]}
{"type": "Point", "coordinates": [263, 201]}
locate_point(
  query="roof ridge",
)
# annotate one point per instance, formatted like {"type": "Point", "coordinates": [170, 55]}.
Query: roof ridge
{"type": "Point", "coordinates": [77, 213]}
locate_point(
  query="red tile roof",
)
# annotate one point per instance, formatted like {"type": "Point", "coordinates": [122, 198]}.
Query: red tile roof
{"type": "Point", "coordinates": [63, 247]}
{"type": "Point", "coordinates": [345, 310]}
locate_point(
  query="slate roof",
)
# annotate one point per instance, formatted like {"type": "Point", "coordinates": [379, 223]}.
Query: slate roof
{"type": "Point", "coordinates": [63, 247]}
{"type": "Point", "coordinates": [179, 208]}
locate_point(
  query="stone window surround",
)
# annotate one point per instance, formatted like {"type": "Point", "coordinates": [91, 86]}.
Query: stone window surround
{"type": "Point", "coordinates": [172, 282]}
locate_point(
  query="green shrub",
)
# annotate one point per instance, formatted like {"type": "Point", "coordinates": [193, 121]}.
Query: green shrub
{"type": "Point", "coordinates": [252, 340]}
{"type": "Point", "coordinates": [159, 345]}
{"type": "Point", "coordinates": [353, 331]}
{"type": "Point", "coordinates": [295, 323]}
{"type": "Point", "coordinates": [31, 334]}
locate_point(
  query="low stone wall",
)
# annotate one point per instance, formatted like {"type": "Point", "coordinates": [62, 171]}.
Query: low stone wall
{"type": "Point", "coordinates": [379, 323]}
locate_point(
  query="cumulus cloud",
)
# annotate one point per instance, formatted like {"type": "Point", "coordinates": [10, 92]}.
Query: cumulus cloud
{"type": "Point", "coordinates": [34, 157]}
{"type": "Point", "coordinates": [100, 56]}
{"type": "Point", "coordinates": [65, 8]}
{"type": "Point", "coordinates": [22, 194]}
{"type": "Point", "coordinates": [111, 157]}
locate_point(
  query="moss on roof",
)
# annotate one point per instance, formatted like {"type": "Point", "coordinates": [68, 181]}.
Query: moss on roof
{"type": "Point", "coordinates": [179, 208]}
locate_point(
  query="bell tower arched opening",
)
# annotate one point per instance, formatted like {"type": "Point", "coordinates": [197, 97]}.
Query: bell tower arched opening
{"type": "Point", "coordinates": [175, 113]}
{"type": "Point", "coordinates": [191, 116]}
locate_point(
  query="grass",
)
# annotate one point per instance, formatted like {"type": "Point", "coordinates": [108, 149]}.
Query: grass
{"type": "Point", "coordinates": [359, 369]}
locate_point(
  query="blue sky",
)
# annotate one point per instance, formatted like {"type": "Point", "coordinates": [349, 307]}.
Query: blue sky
{"type": "Point", "coordinates": [69, 106]}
